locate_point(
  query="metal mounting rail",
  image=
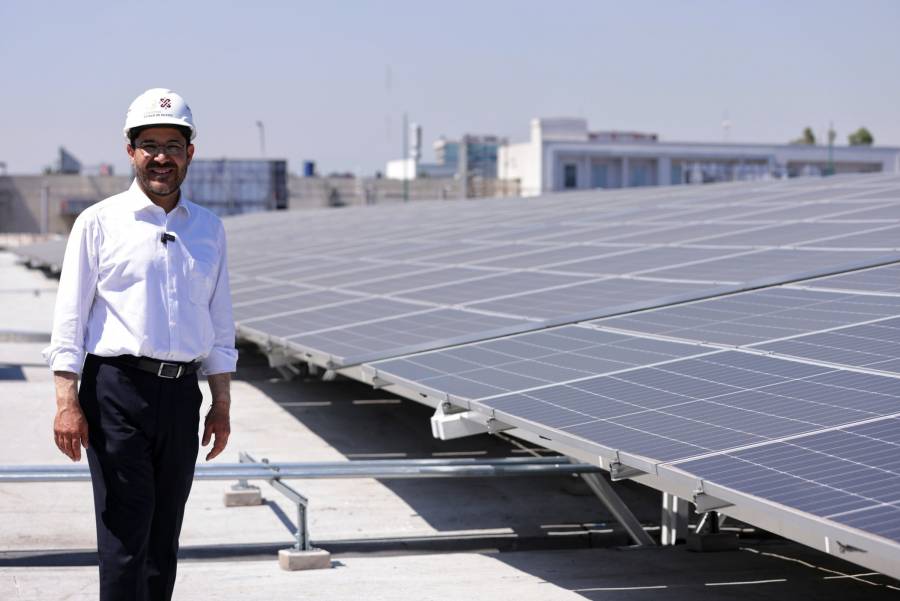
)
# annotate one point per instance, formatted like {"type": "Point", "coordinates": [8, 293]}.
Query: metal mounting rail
{"type": "Point", "coordinates": [275, 474]}
{"type": "Point", "coordinates": [380, 469]}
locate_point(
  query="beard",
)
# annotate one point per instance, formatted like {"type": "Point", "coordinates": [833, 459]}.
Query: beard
{"type": "Point", "coordinates": [161, 179]}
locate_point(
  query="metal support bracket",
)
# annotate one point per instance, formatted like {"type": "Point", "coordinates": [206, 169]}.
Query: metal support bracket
{"type": "Point", "coordinates": [301, 532]}
{"type": "Point", "coordinates": [704, 502]}
{"type": "Point", "coordinates": [371, 376]}
{"type": "Point", "coordinates": [379, 383]}
{"type": "Point", "coordinates": [620, 471]}
{"type": "Point", "coordinates": [286, 365]}
{"type": "Point", "coordinates": [449, 422]}
{"type": "Point", "coordinates": [277, 357]}
{"type": "Point", "coordinates": [616, 506]}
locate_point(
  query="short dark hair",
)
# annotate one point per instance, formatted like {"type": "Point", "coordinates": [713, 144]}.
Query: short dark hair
{"type": "Point", "coordinates": [134, 132]}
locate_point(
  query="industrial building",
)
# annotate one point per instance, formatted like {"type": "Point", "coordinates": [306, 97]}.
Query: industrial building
{"type": "Point", "coordinates": [231, 187]}
{"type": "Point", "coordinates": [49, 203]}
{"type": "Point", "coordinates": [474, 155]}
{"type": "Point", "coordinates": [563, 154]}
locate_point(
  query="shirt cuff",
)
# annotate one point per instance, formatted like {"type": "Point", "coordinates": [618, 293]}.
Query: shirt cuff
{"type": "Point", "coordinates": [219, 361]}
{"type": "Point", "coordinates": [64, 359]}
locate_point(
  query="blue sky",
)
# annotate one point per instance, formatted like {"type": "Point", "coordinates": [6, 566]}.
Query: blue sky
{"type": "Point", "coordinates": [316, 73]}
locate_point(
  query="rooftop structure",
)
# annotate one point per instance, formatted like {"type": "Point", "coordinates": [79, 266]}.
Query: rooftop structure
{"type": "Point", "coordinates": [50, 203]}
{"type": "Point", "coordinates": [475, 155]}
{"type": "Point", "coordinates": [563, 154]}
{"type": "Point", "coordinates": [732, 345]}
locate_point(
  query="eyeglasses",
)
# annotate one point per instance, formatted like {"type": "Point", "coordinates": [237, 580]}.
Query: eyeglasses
{"type": "Point", "coordinates": [152, 149]}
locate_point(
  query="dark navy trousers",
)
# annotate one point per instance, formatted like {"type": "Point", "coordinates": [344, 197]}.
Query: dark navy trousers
{"type": "Point", "coordinates": [144, 439]}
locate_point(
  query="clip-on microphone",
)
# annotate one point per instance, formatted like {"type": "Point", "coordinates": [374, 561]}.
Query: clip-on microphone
{"type": "Point", "coordinates": [166, 238]}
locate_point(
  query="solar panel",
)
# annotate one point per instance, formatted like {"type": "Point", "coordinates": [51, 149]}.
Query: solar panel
{"type": "Point", "coordinates": [850, 474]}
{"type": "Point", "coordinates": [584, 300]}
{"type": "Point", "coordinates": [679, 233]}
{"type": "Point", "coordinates": [296, 271]}
{"type": "Point", "coordinates": [640, 260]}
{"type": "Point", "coordinates": [287, 324]}
{"type": "Point", "coordinates": [873, 212]}
{"type": "Point", "coordinates": [473, 253]}
{"type": "Point", "coordinates": [363, 272]}
{"type": "Point", "coordinates": [492, 285]}
{"type": "Point", "coordinates": [884, 280]}
{"type": "Point", "coordinates": [259, 292]}
{"type": "Point", "coordinates": [372, 282]}
{"type": "Point", "coordinates": [885, 193]}
{"type": "Point", "coordinates": [757, 316]}
{"type": "Point", "coordinates": [556, 257]}
{"type": "Point", "coordinates": [48, 253]}
{"type": "Point", "coordinates": [774, 265]}
{"type": "Point", "coordinates": [819, 211]}
{"type": "Point", "coordinates": [788, 234]}
{"type": "Point", "coordinates": [884, 238]}
{"type": "Point", "coordinates": [523, 361]}
{"type": "Point", "coordinates": [350, 342]}
{"type": "Point", "coordinates": [700, 405]}
{"type": "Point", "coordinates": [873, 346]}
{"type": "Point", "coordinates": [273, 306]}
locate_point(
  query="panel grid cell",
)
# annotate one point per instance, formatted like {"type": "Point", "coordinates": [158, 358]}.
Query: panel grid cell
{"type": "Point", "coordinates": [701, 405]}
{"type": "Point", "coordinates": [349, 344]}
{"type": "Point", "coordinates": [873, 346]}
{"type": "Point", "coordinates": [529, 360]}
{"type": "Point", "coordinates": [849, 474]}
{"type": "Point", "coordinates": [758, 316]}
{"type": "Point", "coordinates": [885, 279]}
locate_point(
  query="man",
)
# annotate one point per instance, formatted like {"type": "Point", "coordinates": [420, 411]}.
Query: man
{"type": "Point", "coordinates": [143, 305]}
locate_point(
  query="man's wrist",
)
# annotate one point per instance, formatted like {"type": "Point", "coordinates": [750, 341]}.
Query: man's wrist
{"type": "Point", "coordinates": [66, 389]}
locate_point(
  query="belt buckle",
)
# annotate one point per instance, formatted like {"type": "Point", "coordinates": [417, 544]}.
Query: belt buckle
{"type": "Point", "coordinates": [162, 367]}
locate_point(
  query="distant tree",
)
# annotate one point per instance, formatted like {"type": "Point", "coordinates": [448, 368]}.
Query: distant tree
{"type": "Point", "coordinates": [808, 138]}
{"type": "Point", "coordinates": [861, 137]}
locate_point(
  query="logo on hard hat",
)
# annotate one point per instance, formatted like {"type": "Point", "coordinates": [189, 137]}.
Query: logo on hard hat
{"type": "Point", "coordinates": [165, 103]}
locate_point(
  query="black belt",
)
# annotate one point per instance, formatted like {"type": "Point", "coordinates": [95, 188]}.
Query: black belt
{"type": "Point", "coordinates": [164, 369]}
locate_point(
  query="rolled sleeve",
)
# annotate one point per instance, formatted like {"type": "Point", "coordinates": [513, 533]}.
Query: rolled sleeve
{"type": "Point", "coordinates": [77, 286]}
{"type": "Point", "coordinates": [223, 356]}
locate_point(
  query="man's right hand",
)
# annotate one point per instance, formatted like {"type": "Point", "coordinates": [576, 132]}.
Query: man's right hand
{"type": "Point", "coordinates": [70, 429]}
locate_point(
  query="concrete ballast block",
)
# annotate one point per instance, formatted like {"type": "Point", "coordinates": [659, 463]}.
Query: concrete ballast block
{"type": "Point", "coordinates": [243, 497]}
{"type": "Point", "coordinates": [295, 559]}
{"type": "Point", "coordinates": [719, 541]}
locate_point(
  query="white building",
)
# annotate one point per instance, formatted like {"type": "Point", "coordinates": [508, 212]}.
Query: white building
{"type": "Point", "coordinates": [563, 155]}
{"type": "Point", "coordinates": [413, 169]}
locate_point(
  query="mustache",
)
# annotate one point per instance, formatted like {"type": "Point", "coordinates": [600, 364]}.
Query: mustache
{"type": "Point", "coordinates": [158, 165]}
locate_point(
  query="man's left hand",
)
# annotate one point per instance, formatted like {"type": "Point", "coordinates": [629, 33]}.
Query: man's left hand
{"type": "Point", "coordinates": [218, 424]}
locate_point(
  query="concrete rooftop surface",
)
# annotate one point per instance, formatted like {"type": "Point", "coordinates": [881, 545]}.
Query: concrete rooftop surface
{"type": "Point", "coordinates": [542, 538]}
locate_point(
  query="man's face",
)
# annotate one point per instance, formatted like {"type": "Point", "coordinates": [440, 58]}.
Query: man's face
{"type": "Point", "coordinates": [160, 158]}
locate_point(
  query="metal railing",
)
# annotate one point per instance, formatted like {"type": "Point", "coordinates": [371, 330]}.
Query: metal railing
{"type": "Point", "coordinates": [276, 472]}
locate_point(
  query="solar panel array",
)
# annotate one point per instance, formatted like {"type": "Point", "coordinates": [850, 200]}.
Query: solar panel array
{"type": "Point", "coordinates": [48, 253]}
{"type": "Point", "coordinates": [614, 322]}
{"type": "Point", "coordinates": [742, 336]}
{"type": "Point", "coordinates": [361, 286]}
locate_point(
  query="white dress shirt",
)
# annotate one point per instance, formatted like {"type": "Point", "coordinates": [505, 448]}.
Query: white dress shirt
{"type": "Point", "coordinates": [123, 292]}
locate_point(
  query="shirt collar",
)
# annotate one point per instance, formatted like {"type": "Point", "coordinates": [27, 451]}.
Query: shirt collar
{"type": "Point", "coordinates": [139, 200]}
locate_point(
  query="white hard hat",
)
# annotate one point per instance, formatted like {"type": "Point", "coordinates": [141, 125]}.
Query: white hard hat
{"type": "Point", "coordinates": [159, 106]}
